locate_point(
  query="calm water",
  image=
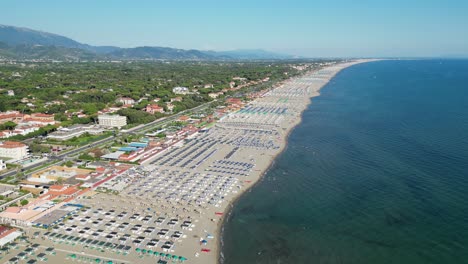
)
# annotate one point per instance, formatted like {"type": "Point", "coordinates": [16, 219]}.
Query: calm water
{"type": "Point", "coordinates": [376, 173]}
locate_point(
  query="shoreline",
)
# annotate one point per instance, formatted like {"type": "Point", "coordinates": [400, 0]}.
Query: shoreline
{"type": "Point", "coordinates": [283, 147]}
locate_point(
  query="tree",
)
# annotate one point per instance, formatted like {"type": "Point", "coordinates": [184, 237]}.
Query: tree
{"type": "Point", "coordinates": [24, 202]}
{"type": "Point", "coordinates": [9, 125]}
{"type": "Point", "coordinates": [86, 156]}
{"type": "Point", "coordinates": [59, 181]}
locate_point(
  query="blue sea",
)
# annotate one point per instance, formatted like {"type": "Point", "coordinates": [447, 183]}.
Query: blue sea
{"type": "Point", "coordinates": [377, 172]}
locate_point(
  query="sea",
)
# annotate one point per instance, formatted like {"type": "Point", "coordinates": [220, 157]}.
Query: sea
{"type": "Point", "coordinates": [377, 172]}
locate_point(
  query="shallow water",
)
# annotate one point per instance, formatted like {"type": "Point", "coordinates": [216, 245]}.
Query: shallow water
{"type": "Point", "coordinates": [377, 172]}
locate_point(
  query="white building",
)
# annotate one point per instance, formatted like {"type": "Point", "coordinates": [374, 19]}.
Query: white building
{"type": "Point", "coordinates": [180, 90]}
{"type": "Point", "coordinates": [126, 101]}
{"type": "Point", "coordinates": [14, 150]}
{"type": "Point", "coordinates": [2, 165]}
{"type": "Point", "coordinates": [67, 133]}
{"type": "Point", "coordinates": [112, 120]}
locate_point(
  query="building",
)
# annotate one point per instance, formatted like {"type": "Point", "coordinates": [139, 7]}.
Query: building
{"type": "Point", "coordinates": [180, 90]}
{"type": "Point", "coordinates": [126, 101]}
{"type": "Point", "coordinates": [170, 106]}
{"type": "Point", "coordinates": [67, 133]}
{"type": "Point", "coordinates": [14, 150]}
{"type": "Point", "coordinates": [8, 235]}
{"type": "Point", "coordinates": [54, 173]}
{"type": "Point", "coordinates": [13, 116]}
{"type": "Point", "coordinates": [215, 95]}
{"type": "Point", "coordinates": [176, 99]}
{"type": "Point", "coordinates": [112, 120]}
{"type": "Point", "coordinates": [154, 108]}
{"type": "Point", "coordinates": [2, 165]}
{"type": "Point", "coordinates": [43, 117]}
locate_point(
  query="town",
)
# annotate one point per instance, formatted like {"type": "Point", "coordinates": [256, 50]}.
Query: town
{"type": "Point", "coordinates": [59, 166]}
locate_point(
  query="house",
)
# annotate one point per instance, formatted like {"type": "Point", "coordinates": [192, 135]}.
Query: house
{"type": "Point", "coordinates": [214, 95]}
{"type": "Point", "coordinates": [14, 150]}
{"type": "Point", "coordinates": [170, 106]}
{"type": "Point", "coordinates": [112, 120]}
{"type": "Point", "coordinates": [176, 99]}
{"type": "Point", "coordinates": [154, 108]}
{"type": "Point", "coordinates": [180, 90]}
{"type": "Point", "coordinates": [126, 101]}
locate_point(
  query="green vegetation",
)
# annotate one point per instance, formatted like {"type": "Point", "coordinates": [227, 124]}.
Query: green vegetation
{"type": "Point", "coordinates": [24, 202]}
{"type": "Point", "coordinates": [90, 87]}
{"type": "Point", "coordinates": [137, 117]}
{"type": "Point", "coordinates": [82, 140]}
{"type": "Point", "coordinates": [38, 148]}
{"type": "Point", "coordinates": [85, 156]}
{"type": "Point", "coordinates": [8, 125]}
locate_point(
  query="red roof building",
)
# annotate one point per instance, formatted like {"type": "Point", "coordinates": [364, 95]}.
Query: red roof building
{"type": "Point", "coordinates": [154, 108]}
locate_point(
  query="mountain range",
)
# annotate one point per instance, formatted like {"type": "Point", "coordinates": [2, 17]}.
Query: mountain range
{"type": "Point", "coordinates": [24, 43]}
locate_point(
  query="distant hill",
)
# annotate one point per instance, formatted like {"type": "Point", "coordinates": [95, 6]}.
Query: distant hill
{"type": "Point", "coordinates": [24, 43]}
{"type": "Point", "coordinates": [159, 53]}
{"type": "Point", "coordinates": [252, 54]}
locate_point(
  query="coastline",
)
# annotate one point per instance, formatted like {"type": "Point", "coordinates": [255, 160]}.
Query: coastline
{"type": "Point", "coordinates": [284, 144]}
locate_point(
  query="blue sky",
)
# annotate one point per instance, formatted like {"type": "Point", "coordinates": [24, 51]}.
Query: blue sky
{"type": "Point", "coordinates": [309, 28]}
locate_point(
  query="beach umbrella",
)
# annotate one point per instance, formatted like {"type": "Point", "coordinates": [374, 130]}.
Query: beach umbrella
{"type": "Point", "coordinates": [137, 249]}
{"type": "Point", "coordinates": [110, 262]}
{"type": "Point", "coordinates": [168, 255]}
{"type": "Point", "coordinates": [150, 251]}
{"type": "Point", "coordinates": [73, 256]}
{"type": "Point", "coordinates": [144, 251]}
{"type": "Point", "coordinates": [97, 260]}
{"type": "Point", "coordinates": [156, 253]}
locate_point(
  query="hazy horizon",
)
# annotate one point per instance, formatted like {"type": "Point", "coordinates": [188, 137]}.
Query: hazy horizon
{"type": "Point", "coordinates": [301, 28]}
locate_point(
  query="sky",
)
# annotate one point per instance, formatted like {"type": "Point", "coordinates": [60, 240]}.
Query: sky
{"type": "Point", "coordinates": [396, 28]}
